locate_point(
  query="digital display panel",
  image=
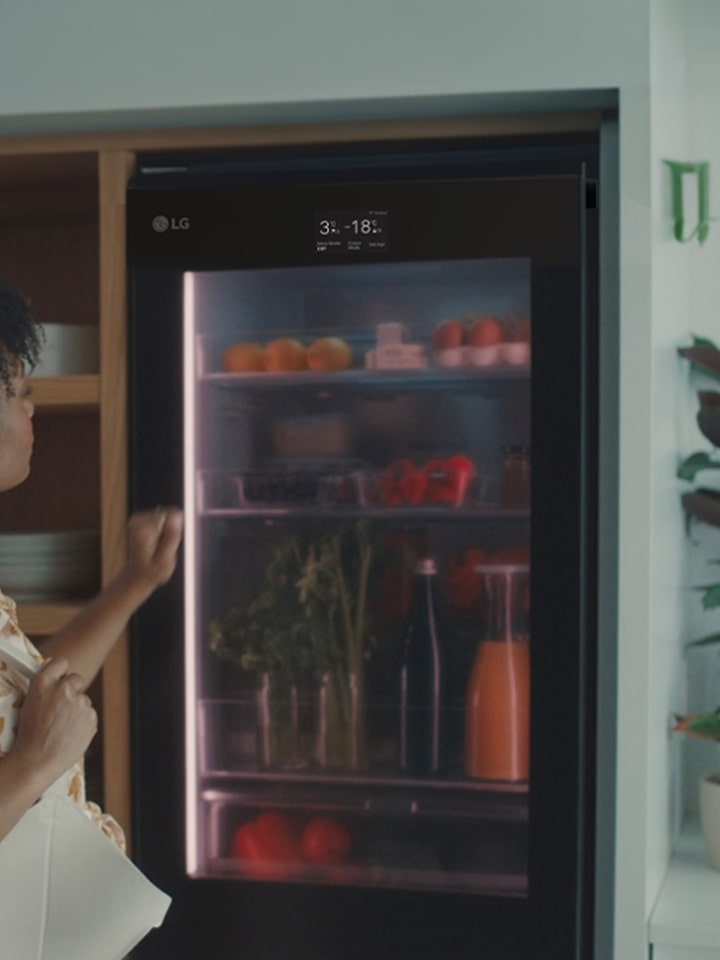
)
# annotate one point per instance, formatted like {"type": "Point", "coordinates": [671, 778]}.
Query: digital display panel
{"type": "Point", "coordinates": [351, 231]}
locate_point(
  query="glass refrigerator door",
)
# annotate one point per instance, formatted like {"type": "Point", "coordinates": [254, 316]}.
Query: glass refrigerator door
{"type": "Point", "coordinates": [357, 486]}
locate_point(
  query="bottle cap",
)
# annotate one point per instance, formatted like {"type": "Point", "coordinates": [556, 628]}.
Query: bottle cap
{"type": "Point", "coordinates": [426, 565]}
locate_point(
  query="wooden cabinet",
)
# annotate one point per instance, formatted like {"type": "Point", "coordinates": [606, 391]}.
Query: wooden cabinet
{"type": "Point", "coordinates": [62, 244]}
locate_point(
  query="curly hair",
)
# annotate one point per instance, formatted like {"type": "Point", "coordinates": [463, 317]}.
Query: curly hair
{"type": "Point", "coordinates": [21, 336]}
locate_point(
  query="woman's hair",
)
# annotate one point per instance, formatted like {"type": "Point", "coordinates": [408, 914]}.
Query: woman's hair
{"type": "Point", "coordinates": [21, 336]}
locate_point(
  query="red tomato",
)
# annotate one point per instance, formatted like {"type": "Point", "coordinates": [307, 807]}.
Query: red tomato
{"type": "Point", "coordinates": [326, 841]}
{"type": "Point", "coordinates": [278, 836]}
{"type": "Point", "coordinates": [266, 847]}
{"type": "Point", "coordinates": [249, 851]}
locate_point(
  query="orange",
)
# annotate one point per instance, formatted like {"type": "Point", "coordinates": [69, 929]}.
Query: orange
{"type": "Point", "coordinates": [243, 358]}
{"type": "Point", "coordinates": [329, 353]}
{"type": "Point", "coordinates": [285, 355]}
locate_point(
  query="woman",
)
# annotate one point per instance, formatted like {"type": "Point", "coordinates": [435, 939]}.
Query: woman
{"type": "Point", "coordinates": [45, 729]}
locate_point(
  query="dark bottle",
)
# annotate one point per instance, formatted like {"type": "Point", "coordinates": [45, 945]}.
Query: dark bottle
{"type": "Point", "coordinates": [421, 679]}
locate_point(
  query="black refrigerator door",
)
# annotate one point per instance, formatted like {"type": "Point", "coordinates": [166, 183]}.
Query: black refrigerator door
{"type": "Point", "coordinates": [545, 221]}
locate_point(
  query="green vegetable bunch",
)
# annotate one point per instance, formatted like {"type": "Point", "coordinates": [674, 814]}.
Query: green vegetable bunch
{"type": "Point", "coordinates": [311, 611]}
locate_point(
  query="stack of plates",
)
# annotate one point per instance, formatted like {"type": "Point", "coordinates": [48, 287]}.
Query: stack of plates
{"type": "Point", "coordinates": [41, 567]}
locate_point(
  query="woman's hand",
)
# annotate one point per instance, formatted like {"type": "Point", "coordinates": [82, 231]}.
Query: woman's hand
{"type": "Point", "coordinates": [153, 541]}
{"type": "Point", "coordinates": [57, 723]}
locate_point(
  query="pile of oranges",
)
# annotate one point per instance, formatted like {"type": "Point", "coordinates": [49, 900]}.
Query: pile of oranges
{"type": "Point", "coordinates": [288, 355]}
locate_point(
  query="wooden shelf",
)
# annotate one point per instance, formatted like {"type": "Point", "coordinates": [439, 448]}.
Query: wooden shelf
{"type": "Point", "coordinates": [66, 393]}
{"type": "Point", "coordinates": [42, 619]}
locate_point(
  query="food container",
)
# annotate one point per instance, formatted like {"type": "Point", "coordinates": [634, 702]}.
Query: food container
{"type": "Point", "coordinates": [440, 483]}
{"type": "Point", "coordinates": [287, 489]}
{"type": "Point", "coordinates": [326, 435]}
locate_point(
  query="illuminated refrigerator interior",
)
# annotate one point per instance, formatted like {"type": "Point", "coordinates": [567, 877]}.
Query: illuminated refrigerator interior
{"type": "Point", "coordinates": [367, 700]}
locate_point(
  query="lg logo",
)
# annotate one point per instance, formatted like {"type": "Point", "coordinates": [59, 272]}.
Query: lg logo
{"type": "Point", "coordinates": [162, 224]}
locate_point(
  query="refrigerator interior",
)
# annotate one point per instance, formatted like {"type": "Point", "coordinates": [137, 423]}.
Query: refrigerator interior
{"type": "Point", "coordinates": [281, 469]}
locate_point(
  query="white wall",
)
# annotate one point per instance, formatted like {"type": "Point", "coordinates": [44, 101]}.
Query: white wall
{"type": "Point", "coordinates": [703, 688]}
{"type": "Point", "coordinates": [99, 63]}
{"type": "Point", "coordinates": [99, 55]}
{"type": "Point", "coordinates": [670, 299]}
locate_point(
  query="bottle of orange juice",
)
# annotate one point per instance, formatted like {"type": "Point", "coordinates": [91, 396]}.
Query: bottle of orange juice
{"type": "Point", "coordinates": [497, 730]}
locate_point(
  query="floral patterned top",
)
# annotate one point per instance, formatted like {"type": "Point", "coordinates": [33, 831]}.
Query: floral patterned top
{"type": "Point", "coordinates": [13, 687]}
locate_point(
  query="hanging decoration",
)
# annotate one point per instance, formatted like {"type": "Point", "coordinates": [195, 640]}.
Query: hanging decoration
{"type": "Point", "coordinates": [702, 227]}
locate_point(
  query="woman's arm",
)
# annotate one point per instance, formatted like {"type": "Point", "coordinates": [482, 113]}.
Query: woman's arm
{"type": "Point", "coordinates": [153, 541]}
{"type": "Point", "coordinates": [57, 723]}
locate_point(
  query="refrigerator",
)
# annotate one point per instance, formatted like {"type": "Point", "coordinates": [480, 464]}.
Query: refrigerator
{"type": "Point", "coordinates": [364, 710]}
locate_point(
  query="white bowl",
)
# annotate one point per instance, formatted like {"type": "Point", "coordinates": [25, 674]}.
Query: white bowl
{"type": "Point", "coordinates": [49, 566]}
{"type": "Point", "coordinates": [451, 357]}
{"type": "Point", "coordinates": [515, 353]}
{"type": "Point", "coordinates": [486, 356]}
{"type": "Point", "coordinates": [69, 349]}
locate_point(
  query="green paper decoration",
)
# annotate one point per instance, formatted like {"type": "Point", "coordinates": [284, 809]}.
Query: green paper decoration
{"type": "Point", "coordinates": [702, 227]}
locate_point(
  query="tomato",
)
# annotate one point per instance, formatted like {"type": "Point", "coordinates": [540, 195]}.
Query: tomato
{"type": "Point", "coordinates": [279, 836]}
{"type": "Point", "coordinates": [250, 852]}
{"type": "Point", "coordinates": [326, 841]}
{"type": "Point", "coordinates": [266, 847]}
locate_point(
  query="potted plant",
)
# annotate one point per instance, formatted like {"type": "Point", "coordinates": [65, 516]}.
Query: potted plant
{"type": "Point", "coordinates": [706, 726]}
{"type": "Point", "coordinates": [703, 504]}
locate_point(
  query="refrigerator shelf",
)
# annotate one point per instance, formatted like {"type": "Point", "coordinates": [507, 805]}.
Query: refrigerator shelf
{"type": "Point", "coordinates": [380, 799]}
{"type": "Point", "coordinates": [500, 884]}
{"type": "Point", "coordinates": [423, 378]}
{"type": "Point", "coordinates": [427, 514]}
{"type": "Point", "coordinates": [404, 786]}
{"type": "Point", "coordinates": [386, 845]}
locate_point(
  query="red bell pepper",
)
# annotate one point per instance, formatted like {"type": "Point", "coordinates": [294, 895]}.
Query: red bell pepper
{"type": "Point", "coordinates": [460, 471]}
{"type": "Point", "coordinates": [413, 487]}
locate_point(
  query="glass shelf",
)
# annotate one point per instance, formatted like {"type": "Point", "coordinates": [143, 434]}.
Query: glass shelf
{"type": "Point", "coordinates": [410, 379]}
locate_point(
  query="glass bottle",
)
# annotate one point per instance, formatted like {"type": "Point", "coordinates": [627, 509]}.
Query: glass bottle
{"type": "Point", "coordinates": [516, 476]}
{"type": "Point", "coordinates": [421, 679]}
{"type": "Point", "coordinates": [497, 732]}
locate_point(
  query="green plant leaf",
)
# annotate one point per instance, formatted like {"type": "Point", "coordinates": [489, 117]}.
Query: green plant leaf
{"type": "Point", "coordinates": [711, 598]}
{"type": "Point", "coordinates": [704, 641]}
{"type": "Point", "coordinates": [704, 342]}
{"type": "Point", "coordinates": [694, 464]}
{"type": "Point", "coordinates": [706, 726]}
{"type": "Point", "coordinates": [704, 356]}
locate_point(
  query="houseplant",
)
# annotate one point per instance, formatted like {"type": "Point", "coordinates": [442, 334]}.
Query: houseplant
{"type": "Point", "coordinates": [702, 504]}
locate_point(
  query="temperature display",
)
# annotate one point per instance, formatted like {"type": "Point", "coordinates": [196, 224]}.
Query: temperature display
{"type": "Point", "coordinates": [351, 231]}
